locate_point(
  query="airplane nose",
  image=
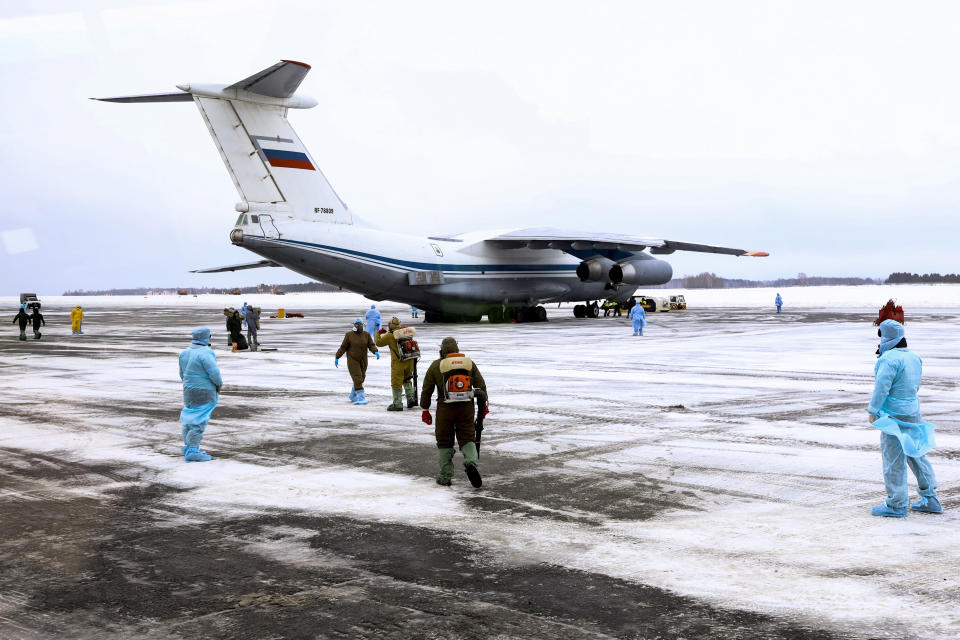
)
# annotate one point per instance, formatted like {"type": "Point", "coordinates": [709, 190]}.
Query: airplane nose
{"type": "Point", "coordinates": [236, 236]}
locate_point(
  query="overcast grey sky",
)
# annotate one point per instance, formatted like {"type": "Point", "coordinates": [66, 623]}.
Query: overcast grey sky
{"type": "Point", "coordinates": [824, 132]}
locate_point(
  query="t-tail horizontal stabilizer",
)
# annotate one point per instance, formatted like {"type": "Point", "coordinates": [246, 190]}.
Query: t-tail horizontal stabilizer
{"type": "Point", "coordinates": [238, 267]}
{"type": "Point", "coordinates": [178, 96]}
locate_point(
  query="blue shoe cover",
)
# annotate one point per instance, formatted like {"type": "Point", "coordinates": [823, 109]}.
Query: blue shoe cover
{"type": "Point", "coordinates": [889, 512]}
{"type": "Point", "coordinates": [360, 398]}
{"type": "Point", "coordinates": [183, 449]}
{"type": "Point", "coordinates": [196, 454]}
{"type": "Point", "coordinates": [927, 505]}
{"type": "Point", "coordinates": [353, 395]}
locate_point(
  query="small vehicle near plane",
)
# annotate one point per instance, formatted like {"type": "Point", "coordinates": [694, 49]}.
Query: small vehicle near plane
{"type": "Point", "coordinates": [31, 300]}
{"type": "Point", "coordinates": [678, 303]}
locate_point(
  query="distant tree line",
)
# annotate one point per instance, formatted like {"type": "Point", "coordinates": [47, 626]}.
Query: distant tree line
{"type": "Point", "coordinates": [713, 281]}
{"type": "Point", "coordinates": [260, 288]}
{"type": "Point", "coordinates": [902, 277]}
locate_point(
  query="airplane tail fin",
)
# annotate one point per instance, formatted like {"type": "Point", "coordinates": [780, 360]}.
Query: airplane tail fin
{"type": "Point", "coordinates": [271, 168]}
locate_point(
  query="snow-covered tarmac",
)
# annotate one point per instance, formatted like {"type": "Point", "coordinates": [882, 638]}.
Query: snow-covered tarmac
{"type": "Point", "coordinates": [710, 479]}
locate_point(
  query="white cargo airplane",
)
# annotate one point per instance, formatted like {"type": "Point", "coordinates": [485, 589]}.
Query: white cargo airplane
{"type": "Point", "coordinates": [292, 217]}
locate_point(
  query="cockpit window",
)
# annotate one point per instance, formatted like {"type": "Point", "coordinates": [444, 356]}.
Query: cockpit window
{"type": "Point", "coordinates": [241, 220]}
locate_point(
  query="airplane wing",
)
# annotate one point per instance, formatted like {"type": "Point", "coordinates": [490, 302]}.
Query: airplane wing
{"type": "Point", "coordinates": [564, 240]}
{"type": "Point", "coordinates": [238, 267]}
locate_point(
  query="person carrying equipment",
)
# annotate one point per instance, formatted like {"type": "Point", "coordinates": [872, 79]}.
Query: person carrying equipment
{"type": "Point", "coordinates": [905, 437]}
{"type": "Point", "coordinates": [404, 352]}
{"type": "Point", "coordinates": [23, 319]}
{"type": "Point", "coordinates": [373, 321]}
{"type": "Point", "coordinates": [37, 318]}
{"type": "Point", "coordinates": [639, 318]}
{"type": "Point", "coordinates": [201, 392]}
{"type": "Point", "coordinates": [779, 302]}
{"type": "Point", "coordinates": [250, 317]}
{"type": "Point", "coordinates": [76, 320]}
{"type": "Point", "coordinates": [455, 377]}
{"type": "Point", "coordinates": [355, 344]}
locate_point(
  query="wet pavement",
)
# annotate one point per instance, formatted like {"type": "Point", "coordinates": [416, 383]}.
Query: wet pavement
{"type": "Point", "coordinates": [633, 487]}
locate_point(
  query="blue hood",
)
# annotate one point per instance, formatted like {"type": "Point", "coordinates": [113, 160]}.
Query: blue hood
{"type": "Point", "coordinates": [891, 333]}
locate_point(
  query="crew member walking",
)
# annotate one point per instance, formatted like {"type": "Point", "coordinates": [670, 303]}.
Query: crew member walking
{"type": "Point", "coordinates": [355, 344]}
{"type": "Point", "coordinates": [639, 318]}
{"type": "Point", "coordinates": [454, 376]}
{"type": "Point", "coordinates": [76, 320]}
{"type": "Point", "coordinates": [373, 320]}
{"type": "Point", "coordinates": [779, 302]}
{"type": "Point", "coordinates": [401, 371]}
{"type": "Point", "coordinates": [23, 319]}
{"type": "Point", "coordinates": [37, 318]}
{"type": "Point", "coordinates": [201, 392]}
{"type": "Point", "coordinates": [905, 437]}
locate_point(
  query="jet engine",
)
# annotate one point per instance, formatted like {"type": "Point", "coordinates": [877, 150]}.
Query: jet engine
{"type": "Point", "coordinates": [639, 272]}
{"type": "Point", "coordinates": [594, 269]}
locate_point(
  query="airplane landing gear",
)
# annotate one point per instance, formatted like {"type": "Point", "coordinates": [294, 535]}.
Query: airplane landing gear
{"type": "Point", "coordinates": [590, 310]}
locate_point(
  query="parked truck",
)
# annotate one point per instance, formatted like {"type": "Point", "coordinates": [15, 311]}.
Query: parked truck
{"type": "Point", "coordinates": [31, 300]}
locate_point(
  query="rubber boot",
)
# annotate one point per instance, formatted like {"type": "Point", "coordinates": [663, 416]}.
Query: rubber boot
{"type": "Point", "coordinates": [928, 504]}
{"type": "Point", "coordinates": [360, 398]}
{"type": "Point", "coordinates": [195, 454]}
{"type": "Point", "coordinates": [397, 404]}
{"type": "Point", "coordinates": [23, 335]}
{"type": "Point", "coordinates": [470, 458]}
{"type": "Point", "coordinates": [445, 458]}
{"type": "Point", "coordinates": [36, 335]}
{"type": "Point", "coordinates": [411, 397]}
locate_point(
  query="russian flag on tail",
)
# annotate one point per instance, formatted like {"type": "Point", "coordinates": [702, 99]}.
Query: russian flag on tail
{"type": "Point", "coordinates": [290, 159]}
{"type": "Point", "coordinates": [281, 157]}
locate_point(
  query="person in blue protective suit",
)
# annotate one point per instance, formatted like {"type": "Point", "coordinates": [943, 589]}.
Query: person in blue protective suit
{"type": "Point", "coordinates": [905, 437]}
{"type": "Point", "coordinates": [201, 391]}
{"type": "Point", "coordinates": [639, 318]}
{"type": "Point", "coordinates": [779, 302]}
{"type": "Point", "coordinates": [373, 320]}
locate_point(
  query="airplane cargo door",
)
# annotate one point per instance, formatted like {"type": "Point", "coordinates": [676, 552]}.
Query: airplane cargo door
{"type": "Point", "coordinates": [269, 229]}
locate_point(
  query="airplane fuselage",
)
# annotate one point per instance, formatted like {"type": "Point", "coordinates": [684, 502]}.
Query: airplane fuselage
{"type": "Point", "coordinates": [460, 275]}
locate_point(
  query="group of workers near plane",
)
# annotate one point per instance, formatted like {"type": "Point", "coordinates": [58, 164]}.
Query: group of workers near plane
{"type": "Point", "coordinates": [894, 408]}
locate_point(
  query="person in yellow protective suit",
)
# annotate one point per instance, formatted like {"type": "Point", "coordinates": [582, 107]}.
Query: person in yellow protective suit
{"type": "Point", "coordinates": [76, 319]}
{"type": "Point", "coordinates": [401, 372]}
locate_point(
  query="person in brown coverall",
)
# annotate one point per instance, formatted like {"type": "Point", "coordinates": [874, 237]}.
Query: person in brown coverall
{"type": "Point", "coordinates": [401, 372]}
{"type": "Point", "coordinates": [454, 418]}
{"type": "Point", "coordinates": [355, 344]}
